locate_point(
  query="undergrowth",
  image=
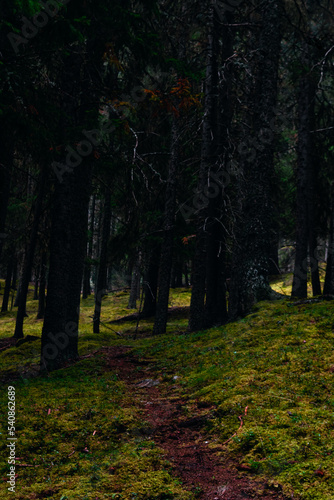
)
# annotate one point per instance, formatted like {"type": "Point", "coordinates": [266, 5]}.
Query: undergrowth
{"type": "Point", "coordinates": [278, 362]}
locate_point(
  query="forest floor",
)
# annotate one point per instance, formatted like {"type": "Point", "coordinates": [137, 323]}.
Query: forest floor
{"type": "Point", "coordinates": [241, 411]}
{"type": "Point", "coordinates": [185, 444]}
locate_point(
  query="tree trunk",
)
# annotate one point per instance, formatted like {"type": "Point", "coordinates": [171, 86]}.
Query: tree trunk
{"type": "Point", "coordinates": [304, 168]}
{"type": "Point", "coordinates": [10, 266]}
{"type": "Point", "coordinates": [42, 287]}
{"type": "Point", "coordinates": [29, 257]}
{"type": "Point", "coordinates": [101, 289]}
{"type": "Point", "coordinates": [36, 284]}
{"type": "Point", "coordinates": [329, 278]}
{"type": "Point", "coordinates": [250, 268]}
{"type": "Point", "coordinates": [87, 271]}
{"type": "Point", "coordinates": [135, 284]}
{"type": "Point", "coordinates": [207, 263]}
{"type": "Point", "coordinates": [14, 284]}
{"type": "Point", "coordinates": [69, 226]}
{"type": "Point", "coordinates": [178, 271]}
{"type": "Point", "coordinates": [166, 259]}
{"type": "Point", "coordinates": [6, 165]}
{"type": "Point", "coordinates": [215, 304]}
{"type": "Point", "coordinates": [186, 276]}
{"type": "Point", "coordinates": [150, 284]}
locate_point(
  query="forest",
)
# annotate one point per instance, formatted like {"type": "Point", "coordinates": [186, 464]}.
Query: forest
{"type": "Point", "coordinates": [167, 234]}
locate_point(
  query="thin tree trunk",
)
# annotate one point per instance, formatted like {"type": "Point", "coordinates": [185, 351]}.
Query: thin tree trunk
{"type": "Point", "coordinates": [209, 148]}
{"type": "Point", "coordinates": [36, 284]}
{"type": "Point", "coordinates": [87, 271]}
{"type": "Point", "coordinates": [6, 165]}
{"type": "Point", "coordinates": [304, 167]}
{"type": "Point", "coordinates": [42, 287]}
{"type": "Point", "coordinates": [166, 259]}
{"type": "Point", "coordinates": [29, 257]}
{"type": "Point", "coordinates": [10, 266]}
{"type": "Point", "coordinates": [14, 284]}
{"type": "Point", "coordinates": [329, 278]}
{"type": "Point", "coordinates": [150, 284]}
{"type": "Point", "coordinates": [135, 280]}
{"type": "Point", "coordinates": [186, 276]}
{"type": "Point", "coordinates": [101, 289]}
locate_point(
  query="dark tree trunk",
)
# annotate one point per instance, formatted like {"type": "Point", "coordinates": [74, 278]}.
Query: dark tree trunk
{"type": "Point", "coordinates": [29, 257]}
{"type": "Point", "coordinates": [10, 267]}
{"type": "Point", "coordinates": [36, 285]}
{"type": "Point", "coordinates": [166, 258]}
{"type": "Point", "coordinates": [87, 271]}
{"type": "Point", "coordinates": [315, 276]}
{"type": "Point", "coordinates": [178, 271]}
{"type": "Point", "coordinates": [273, 258]}
{"type": "Point", "coordinates": [210, 247]}
{"type": "Point", "coordinates": [69, 226]}
{"type": "Point", "coordinates": [135, 284]}
{"type": "Point", "coordinates": [209, 146]}
{"type": "Point", "coordinates": [42, 287]}
{"type": "Point", "coordinates": [215, 304]}
{"type": "Point", "coordinates": [250, 268]}
{"type": "Point", "coordinates": [150, 284]}
{"type": "Point", "coordinates": [14, 284]}
{"type": "Point", "coordinates": [329, 278]}
{"type": "Point", "coordinates": [186, 276]}
{"type": "Point", "coordinates": [6, 164]}
{"type": "Point", "coordinates": [18, 293]}
{"type": "Point", "coordinates": [304, 168]}
{"type": "Point", "coordinates": [101, 288]}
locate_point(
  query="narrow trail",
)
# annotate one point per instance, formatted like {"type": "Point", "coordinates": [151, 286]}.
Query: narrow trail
{"type": "Point", "coordinates": [200, 468]}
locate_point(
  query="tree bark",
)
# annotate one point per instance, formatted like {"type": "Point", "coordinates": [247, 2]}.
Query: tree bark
{"type": "Point", "coordinates": [208, 300]}
{"type": "Point", "coordinates": [29, 257]}
{"type": "Point", "coordinates": [329, 278]}
{"type": "Point", "coordinates": [6, 165]}
{"type": "Point", "coordinates": [250, 268]}
{"type": "Point", "coordinates": [69, 226]}
{"type": "Point", "coordinates": [6, 293]}
{"type": "Point", "coordinates": [197, 315]}
{"type": "Point", "coordinates": [304, 168]}
{"type": "Point", "coordinates": [135, 284]}
{"type": "Point", "coordinates": [166, 259]}
{"type": "Point", "coordinates": [101, 287]}
{"type": "Point", "coordinates": [150, 284]}
{"type": "Point", "coordinates": [42, 287]}
{"type": "Point", "coordinates": [86, 291]}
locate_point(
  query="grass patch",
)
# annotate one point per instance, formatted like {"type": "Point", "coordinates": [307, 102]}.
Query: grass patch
{"type": "Point", "coordinates": [278, 361]}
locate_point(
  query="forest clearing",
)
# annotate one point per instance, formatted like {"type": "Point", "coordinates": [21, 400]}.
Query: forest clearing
{"type": "Point", "coordinates": [84, 431]}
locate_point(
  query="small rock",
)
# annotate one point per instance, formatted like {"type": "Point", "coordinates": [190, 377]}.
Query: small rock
{"type": "Point", "coordinates": [149, 382]}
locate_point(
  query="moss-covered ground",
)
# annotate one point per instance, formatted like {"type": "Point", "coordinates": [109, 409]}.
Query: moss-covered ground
{"type": "Point", "coordinates": [77, 429]}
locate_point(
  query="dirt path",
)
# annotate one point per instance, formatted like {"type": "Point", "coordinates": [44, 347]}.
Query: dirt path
{"type": "Point", "coordinates": [199, 467]}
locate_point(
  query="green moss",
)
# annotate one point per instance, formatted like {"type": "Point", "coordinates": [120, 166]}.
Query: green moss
{"type": "Point", "coordinates": [278, 362]}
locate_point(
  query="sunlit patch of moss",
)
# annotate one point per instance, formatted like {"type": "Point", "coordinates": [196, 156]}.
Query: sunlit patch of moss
{"type": "Point", "coordinates": [283, 282]}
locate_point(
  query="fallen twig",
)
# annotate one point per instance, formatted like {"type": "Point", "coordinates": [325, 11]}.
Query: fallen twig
{"type": "Point", "coordinates": [241, 424]}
